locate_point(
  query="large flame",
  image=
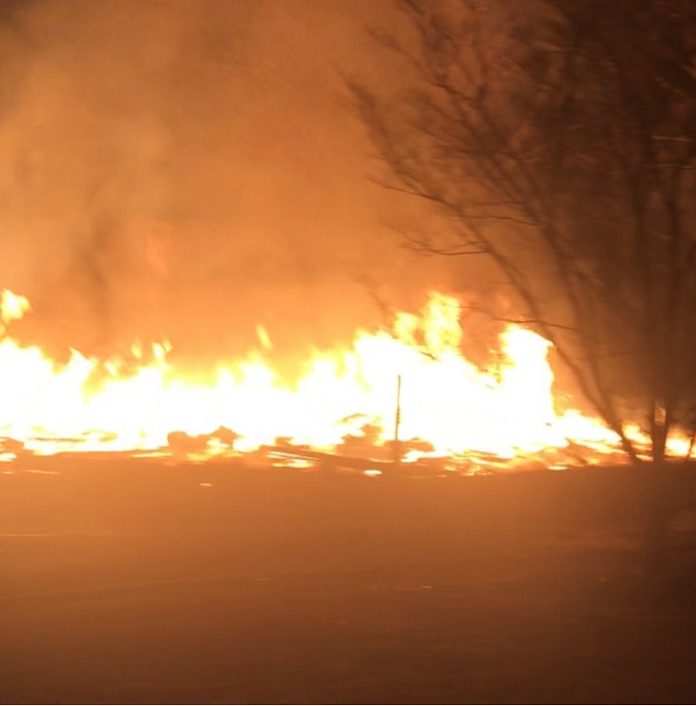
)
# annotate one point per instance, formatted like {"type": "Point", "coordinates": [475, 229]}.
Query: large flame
{"type": "Point", "coordinates": [140, 402]}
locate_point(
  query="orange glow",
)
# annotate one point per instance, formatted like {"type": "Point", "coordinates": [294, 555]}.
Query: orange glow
{"type": "Point", "coordinates": [142, 403]}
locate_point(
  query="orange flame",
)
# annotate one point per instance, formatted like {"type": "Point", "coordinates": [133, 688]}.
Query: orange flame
{"type": "Point", "coordinates": [140, 404]}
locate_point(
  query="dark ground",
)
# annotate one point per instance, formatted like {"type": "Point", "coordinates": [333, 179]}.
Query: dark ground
{"type": "Point", "coordinates": [130, 582]}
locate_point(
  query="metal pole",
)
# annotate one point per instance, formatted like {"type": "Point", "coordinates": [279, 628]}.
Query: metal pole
{"type": "Point", "coordinates": [397, 422]}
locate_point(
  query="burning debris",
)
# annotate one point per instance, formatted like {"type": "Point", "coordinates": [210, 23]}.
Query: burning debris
{"type": "Point", "coordinates": [181, 444]}
{"type": "Point", "coordinates": [450, 413]}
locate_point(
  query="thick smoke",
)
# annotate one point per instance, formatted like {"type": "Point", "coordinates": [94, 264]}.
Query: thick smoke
{"type": "Point", "coordinates": [190, 169]}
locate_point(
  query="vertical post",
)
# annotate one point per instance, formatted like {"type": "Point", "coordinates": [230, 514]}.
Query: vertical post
{"type": "Point", "coordinates": [397, 423]}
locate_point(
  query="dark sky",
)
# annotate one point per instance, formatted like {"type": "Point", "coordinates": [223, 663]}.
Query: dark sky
{"type": "Point", "coordinates": [188, 169]}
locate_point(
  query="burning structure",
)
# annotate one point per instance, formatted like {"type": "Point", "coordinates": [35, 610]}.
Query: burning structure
{"type": "Point", "coordinates": [342, 401]}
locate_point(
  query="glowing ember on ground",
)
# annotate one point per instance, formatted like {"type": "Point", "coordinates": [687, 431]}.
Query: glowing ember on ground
{"type": "Point", "coordinates": [344, 395]}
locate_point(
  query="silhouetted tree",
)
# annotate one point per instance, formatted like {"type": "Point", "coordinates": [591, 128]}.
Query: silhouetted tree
{"type": "Point", "coordinates": [559, 137]}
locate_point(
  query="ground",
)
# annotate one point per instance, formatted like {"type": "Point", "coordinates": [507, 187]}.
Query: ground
{"type": "Point", "coordinates": [141, 583]}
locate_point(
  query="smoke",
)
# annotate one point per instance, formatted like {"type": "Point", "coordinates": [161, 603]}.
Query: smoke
{"type": "Point", "coordinates": [191, 169]}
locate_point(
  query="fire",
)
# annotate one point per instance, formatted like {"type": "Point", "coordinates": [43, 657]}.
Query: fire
{"type": "Point", "coordinates": [453, 407]}
{"type": "Point", "coordinates": [12, 306]}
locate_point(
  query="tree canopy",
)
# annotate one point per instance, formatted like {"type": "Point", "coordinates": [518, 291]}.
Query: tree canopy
{"type": "Point", "coordinates": [559, 137]}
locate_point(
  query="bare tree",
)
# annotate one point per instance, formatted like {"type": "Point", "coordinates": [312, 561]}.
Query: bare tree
{"type": "Point", "coordinates": [559, 139]}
